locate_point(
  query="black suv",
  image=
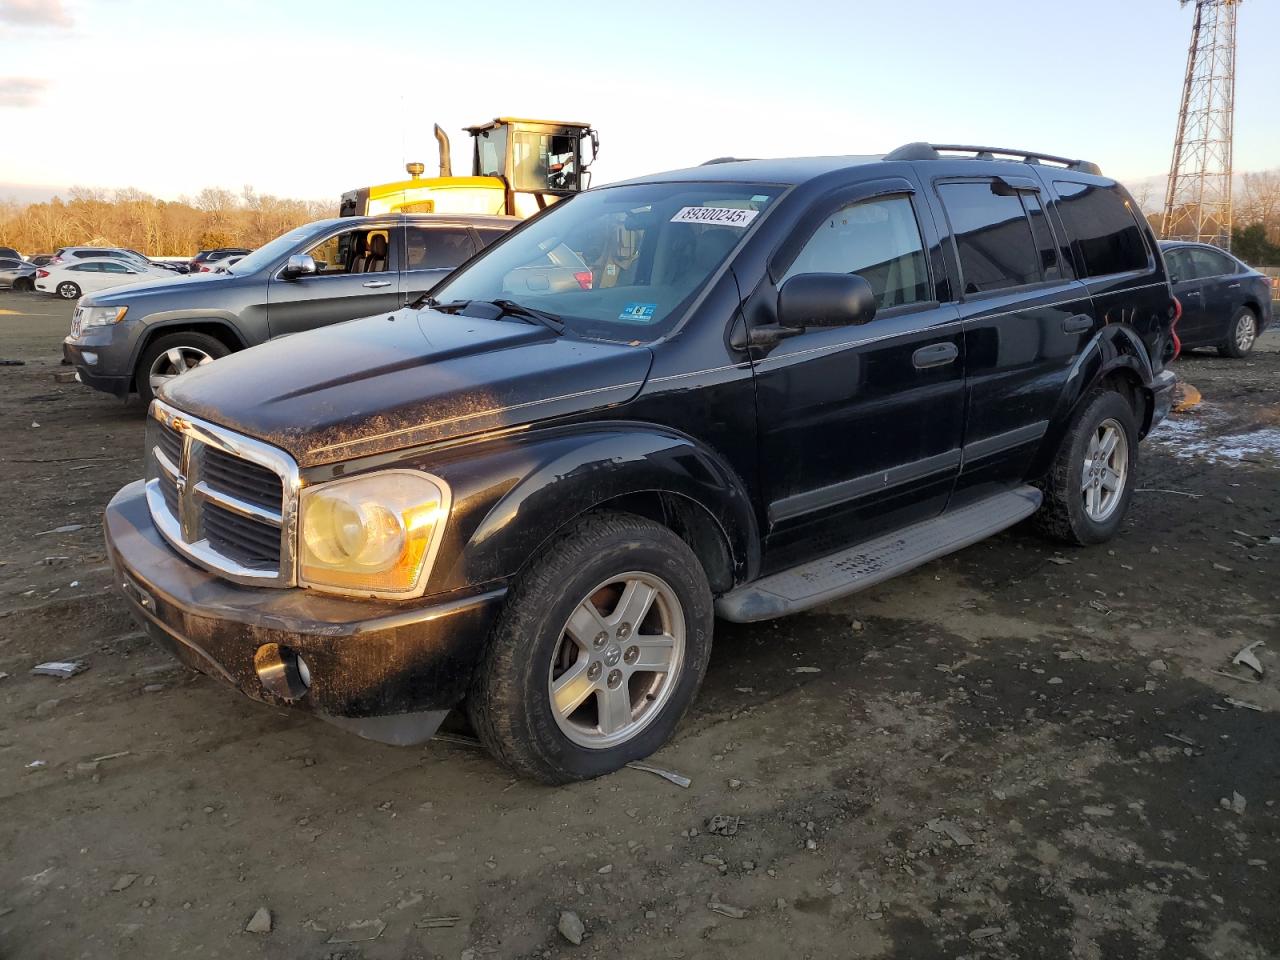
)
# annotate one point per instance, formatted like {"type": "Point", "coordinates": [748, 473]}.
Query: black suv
{"type": "Point", "coordinates": [743, 389]}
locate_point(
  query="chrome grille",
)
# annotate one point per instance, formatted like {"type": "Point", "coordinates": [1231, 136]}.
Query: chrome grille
{"type": "Point", "coordinates": [226, 501]}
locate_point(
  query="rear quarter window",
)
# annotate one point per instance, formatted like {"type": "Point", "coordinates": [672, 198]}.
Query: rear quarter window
{"type": "Point", "coordinates": [1103, 227]}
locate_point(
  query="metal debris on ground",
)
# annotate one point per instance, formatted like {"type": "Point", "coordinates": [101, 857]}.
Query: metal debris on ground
{"type": "Point", "coordinates": [952, 830]}
{"type": "Point", "coordinates": [1186, 741]}
{"type": "Point", "coordinates": [677, 779]}
{"type": "Point", "coordinates": [1247, 658]}
{"type": "Point", "coordinates": [60, 668]}
{"type": "Point", "coordinates": [65, 528]}
{"type": "Point", "coordinates": [723, 825]}
{"type": "Point", "coordinates": [111, 756]}
{"type": "Point", "coordinates": [571, 927]}
{"type": "Point", "coordinates": [1235, 676]}
{"type": "Point", "coordinates": [1243, 704]}
{"type": "Point", "coordinates": [984, 933]}
{"type": "Point", "coordinates": [359, 932]}
{"type": "Point", "coordinates": [806, 669]}
{"type": "Point", "coordinates": [727, 910]}
{"type": "Point", "coordinates": [433, 923]}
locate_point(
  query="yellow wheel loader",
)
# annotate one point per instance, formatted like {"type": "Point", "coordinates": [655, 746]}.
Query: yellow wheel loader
{"type": "Point", "coordinates": [518, 167]}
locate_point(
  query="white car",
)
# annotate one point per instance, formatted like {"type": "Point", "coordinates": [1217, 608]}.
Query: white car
{"type": "Point", "coordinates": [71, 280]}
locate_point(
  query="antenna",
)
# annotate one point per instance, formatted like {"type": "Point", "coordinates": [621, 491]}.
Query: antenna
{"type": "Point", "coordinates": [1198, 202]}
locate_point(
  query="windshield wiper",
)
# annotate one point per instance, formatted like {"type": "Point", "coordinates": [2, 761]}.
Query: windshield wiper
{"type": "Point", "coordinates": [548, 320]}
{"type": "Point", "coordinates": [508, 308]}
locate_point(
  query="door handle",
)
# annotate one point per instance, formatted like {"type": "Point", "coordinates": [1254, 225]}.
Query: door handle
{"type": "Point", "coordinates": [1191, 293]}
{"type": "Point", "coordinates": [1232, 286]}
{"type": "Point", "coordinates": [935, 355]}
{"type": "Point", "coordinates": [374, 284]}
{"type": "Point", "coordinates": [1077, 324]}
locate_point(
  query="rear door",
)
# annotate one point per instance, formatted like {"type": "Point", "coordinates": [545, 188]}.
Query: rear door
{"type": "Point", "coordinates": [432, 251]}
{"type": "Point", "coordinates": [1025, 318]}
{"type": "Point", "coordinates": [860, 426]}
{"type": "Point", "coordinates": [1220, 291]}
{"type": "Point", "coordinates": [357, 275]}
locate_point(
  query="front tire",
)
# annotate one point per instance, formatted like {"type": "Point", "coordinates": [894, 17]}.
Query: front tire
{"type": "Point", "coordinates": [1090, 483]}
{"type": "Point", "coordinates": [68, 290]}
{"type": "Point", "coordinates": [598, 653]}
{"type": "Point", "coordinates": [1242, 334]}
{"type": "Point", "coordinates": [173, 355]}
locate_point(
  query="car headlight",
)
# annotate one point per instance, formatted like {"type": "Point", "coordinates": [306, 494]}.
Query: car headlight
{"type": "Point", "coordinates": [103, 316]}
{"type": "Point", "coordinates": [374, 535]}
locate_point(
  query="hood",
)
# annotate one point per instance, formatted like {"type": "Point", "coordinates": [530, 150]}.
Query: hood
{"type": "Point", "coordinates": [396, 380]}
{"type": "Point", "coordinates": [158, 286]}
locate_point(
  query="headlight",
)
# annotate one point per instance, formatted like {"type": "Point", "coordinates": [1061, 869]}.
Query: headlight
{"type": "Point", "coordinates": [103, 316]}
{"type": "Point", "coordinates": [372, 536]}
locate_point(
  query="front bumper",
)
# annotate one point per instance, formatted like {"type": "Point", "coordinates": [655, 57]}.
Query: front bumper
{"type": "Point", "coordinates": [103, 374]}
{"type": "Point", "coordinates": [1162, 388]}
{"type": "Point", "coordinates": [384, 670]}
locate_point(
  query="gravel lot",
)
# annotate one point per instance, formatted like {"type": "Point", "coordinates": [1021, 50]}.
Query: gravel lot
{"type": "Point", "coordinates": [1017, 751]}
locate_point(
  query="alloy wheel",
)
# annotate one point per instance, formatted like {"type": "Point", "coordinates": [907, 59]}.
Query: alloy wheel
{"type": "Point", "coordinates": [173, 363]}
{"type": "Point", "coordinates": [1246, 332]}
{"type": "Point", "coordinates": [1106, 470]}
{"type": "Point", "coordinates": [617, 661]}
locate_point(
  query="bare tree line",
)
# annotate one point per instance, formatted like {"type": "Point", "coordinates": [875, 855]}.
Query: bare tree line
{"type": "Point", "coordinates": [130, 218]}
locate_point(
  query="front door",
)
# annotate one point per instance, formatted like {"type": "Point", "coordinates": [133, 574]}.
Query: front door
{"type": "Point", "coordinates": [357, 275]}
{"type": "Point", "coordinates": [860, 426]}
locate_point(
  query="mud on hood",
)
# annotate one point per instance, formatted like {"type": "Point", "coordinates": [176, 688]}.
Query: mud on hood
{"type": "Point", "coordinates": [395, 380]}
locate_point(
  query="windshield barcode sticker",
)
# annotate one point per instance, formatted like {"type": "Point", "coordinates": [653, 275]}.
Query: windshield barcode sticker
{"type": "Point", "coordinates": [720, 216]}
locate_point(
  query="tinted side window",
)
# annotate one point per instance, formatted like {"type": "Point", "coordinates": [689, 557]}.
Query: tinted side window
{"type": "Point", "coordinates": [7, 264]}
{"type": "Point", "coordinates": [112, 266]}
{"type": "Point", "coordinates": [353, 251]}
{"type": "Point", "coordinates": [1103, 228]}
{"type": "Point", "coordinates": [435, 248]}
{"type": "Point", "coordinates": [993, 236]}
{"type": "Point", "coordinates": [488, 234]}
{"type": "Point", "coordinates": [1211, 264]}
{"type": "Point", "coordinates": [1051, 265]}
{"type": "Point", "coordinates": [876, 239]}
{"type": "Point", "coordinates": [1178, 263]}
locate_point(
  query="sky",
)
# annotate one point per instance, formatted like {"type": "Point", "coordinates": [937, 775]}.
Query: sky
{"type": "Point", "coordinates": [308, 99]}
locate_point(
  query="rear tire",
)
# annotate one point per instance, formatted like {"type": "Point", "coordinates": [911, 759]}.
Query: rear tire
{"type": "Point", "coordinates": [172, 355]}
{"type": "Point", "coordinates": [68, 290]}
{"type": "Point", "coordinates": [24, 284]}
{"type": "Point", "coordinates": [1241, 335]}
{"type": "Point", "coordinates": [562, 692]}
{"type": "Point", "coordinates": [1090, 482]}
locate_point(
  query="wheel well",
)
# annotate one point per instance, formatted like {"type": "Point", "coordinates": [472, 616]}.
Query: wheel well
{"type": "Point", "coordinates": [691, 522]}
{"type": "Point", "coordinates": [1127, 383]}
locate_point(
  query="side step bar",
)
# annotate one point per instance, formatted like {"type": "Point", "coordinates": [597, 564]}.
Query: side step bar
{"type": "Point", "coordinates": [835, 576]}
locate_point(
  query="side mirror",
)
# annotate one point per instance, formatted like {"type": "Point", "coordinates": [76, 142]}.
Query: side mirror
{"type": "Point", "coordinates": [299, 265]}
{"type": "Point", "coordinates": [825, 300]}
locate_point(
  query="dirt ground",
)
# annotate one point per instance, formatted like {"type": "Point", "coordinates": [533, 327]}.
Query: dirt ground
{"type": "Point", "coordinates": [1017, 751]}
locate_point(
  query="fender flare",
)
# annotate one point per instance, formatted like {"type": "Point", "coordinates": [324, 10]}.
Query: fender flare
{"type": "Point", "coordinates": [158, 328]}
{"type": "Point", "coordinates": [1115, 350]}
{"type": "Point", "coordinates": [512, 502]}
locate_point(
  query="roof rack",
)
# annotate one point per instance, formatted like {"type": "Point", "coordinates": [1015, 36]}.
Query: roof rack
{"type": "Point", "coordinates": [933, 151]}
{"type": "Point", "coordinates": [707, 163]}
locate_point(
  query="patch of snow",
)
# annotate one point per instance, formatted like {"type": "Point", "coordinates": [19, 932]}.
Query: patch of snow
{"type": "Point", "coordinates": [1193, 436]}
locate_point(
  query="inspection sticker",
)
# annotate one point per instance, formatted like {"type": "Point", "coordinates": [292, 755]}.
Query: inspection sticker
{"type": "Point", "coordinates": [638, 312]}
{"type": "Point", "coordinates": [719, 216]}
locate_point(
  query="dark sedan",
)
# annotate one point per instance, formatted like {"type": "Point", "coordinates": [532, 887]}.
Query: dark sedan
{"type": "Point", "coordinates": [1225, 303]}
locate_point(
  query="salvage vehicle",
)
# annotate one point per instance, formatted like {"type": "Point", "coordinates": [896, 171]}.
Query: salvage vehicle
{"type": "Point", "coordinates": [529, 494]}
{"type": "Point", "coordinates": [319, 274]}
{"type": "Point", "coordinates": [518, 168]}
{"type": "Point", "coordinates": [1225, 302]}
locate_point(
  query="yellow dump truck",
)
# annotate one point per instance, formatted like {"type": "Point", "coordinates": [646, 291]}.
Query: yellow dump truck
{"type": "Point", "coordinates": [518, 167]}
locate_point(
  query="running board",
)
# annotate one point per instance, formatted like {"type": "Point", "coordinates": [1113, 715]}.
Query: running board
{"type": "Point", "coordinates": [829, 578]}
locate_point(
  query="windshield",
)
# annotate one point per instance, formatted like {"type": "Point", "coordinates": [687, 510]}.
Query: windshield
{"type": "Point", "coordinates": [619, 263]}
{"type": "Point", "coordinates": [268, 253]}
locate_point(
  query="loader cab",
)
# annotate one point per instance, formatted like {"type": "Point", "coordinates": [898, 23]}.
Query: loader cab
{"type": "Point", "coordinates": [539, 161]}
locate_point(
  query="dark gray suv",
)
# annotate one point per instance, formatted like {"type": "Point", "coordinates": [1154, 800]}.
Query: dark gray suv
{"type": "Point", "coordinates": [134, 338]}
